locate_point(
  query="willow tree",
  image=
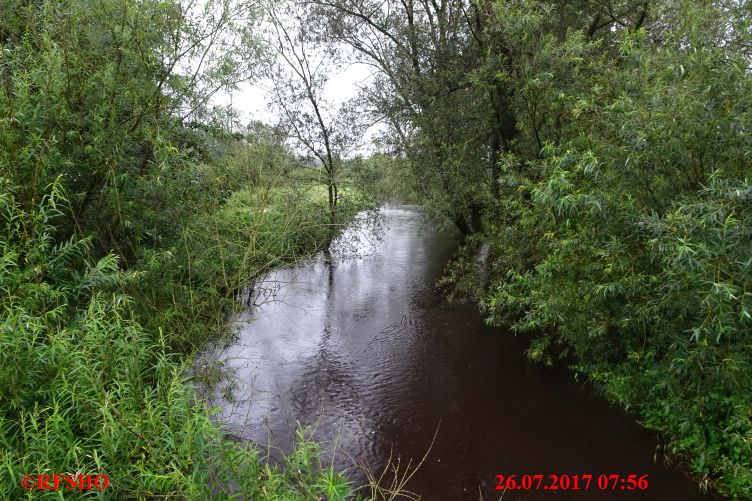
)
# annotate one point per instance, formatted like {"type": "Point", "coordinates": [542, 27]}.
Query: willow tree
{"type": "Point", "coordinates": [424, 57]}
{"type": "Point", "coordinates": [447, 84]}
{"type": "Point", "coordinates": [99, 94]}
{"type": "Point", "coordinates": [636, 228]}
{"type": "Point", "coordinates": [300, 71]}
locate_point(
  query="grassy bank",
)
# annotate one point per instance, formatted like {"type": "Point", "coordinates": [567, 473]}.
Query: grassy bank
{"type": "Point", "coordinates": [95, 356]}
{"type": "Point", "coordinates": [130, 216]}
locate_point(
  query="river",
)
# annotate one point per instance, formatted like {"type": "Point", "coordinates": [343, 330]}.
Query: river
{"type": "Point", "coordinates": [368, 349]}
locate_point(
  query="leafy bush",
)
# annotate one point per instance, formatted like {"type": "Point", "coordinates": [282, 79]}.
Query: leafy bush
{"type": "Point", "coordinates": [107, 294]}
{"type": "Point", "coordinates": [84, 388]}
{"type": "Point", "coordinates": [626, 244]}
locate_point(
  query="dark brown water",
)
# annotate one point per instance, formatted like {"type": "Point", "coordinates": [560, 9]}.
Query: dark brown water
{"type": "Point", "coordinates": [368, 349]}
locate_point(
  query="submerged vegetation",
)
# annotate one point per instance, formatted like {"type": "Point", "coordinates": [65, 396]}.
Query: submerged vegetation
{"type": "Point", "coordinates": [599, 149]}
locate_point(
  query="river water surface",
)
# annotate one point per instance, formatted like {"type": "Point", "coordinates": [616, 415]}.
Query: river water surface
{"type": "Point", "coordinates": [367, 348]}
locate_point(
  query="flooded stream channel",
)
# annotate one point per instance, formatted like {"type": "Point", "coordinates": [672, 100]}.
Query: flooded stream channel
{"type": "Point", "coordinates": [367, 347]}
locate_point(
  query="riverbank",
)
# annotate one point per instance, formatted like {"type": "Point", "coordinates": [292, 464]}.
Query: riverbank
{"type": "Point", "coordinates": [95, 355]}
{"type": "Point", "coordinates": [367, 350]}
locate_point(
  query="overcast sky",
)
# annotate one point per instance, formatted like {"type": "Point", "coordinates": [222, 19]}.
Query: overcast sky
{"type": "Point", "coordinates": [251, 103]}
{"type": "Point", "coordinates": [250, 100]}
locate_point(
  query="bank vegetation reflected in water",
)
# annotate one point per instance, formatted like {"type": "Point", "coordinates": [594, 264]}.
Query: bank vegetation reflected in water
{"type": "Point", "coordinates": [365, 349]}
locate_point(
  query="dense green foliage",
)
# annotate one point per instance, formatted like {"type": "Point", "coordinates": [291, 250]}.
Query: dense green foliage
{"type": "Point", "coordinates": [86, 388]}
{"type": "Point", "coordinates": [602, 151]}
{"type": "Point", "coordinates": [384, 177]}
{"type": "Point", "coordinates": [632, 244]}
{"type": "Point", "coordinates": [130, 221]}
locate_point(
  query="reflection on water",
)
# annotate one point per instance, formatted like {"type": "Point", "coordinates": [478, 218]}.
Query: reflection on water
{"type": "Point", "coordinates": [367, 348]}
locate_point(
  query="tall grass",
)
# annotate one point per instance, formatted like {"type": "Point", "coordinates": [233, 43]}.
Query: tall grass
{"type": "Point", "coordinates": [85, 387]}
